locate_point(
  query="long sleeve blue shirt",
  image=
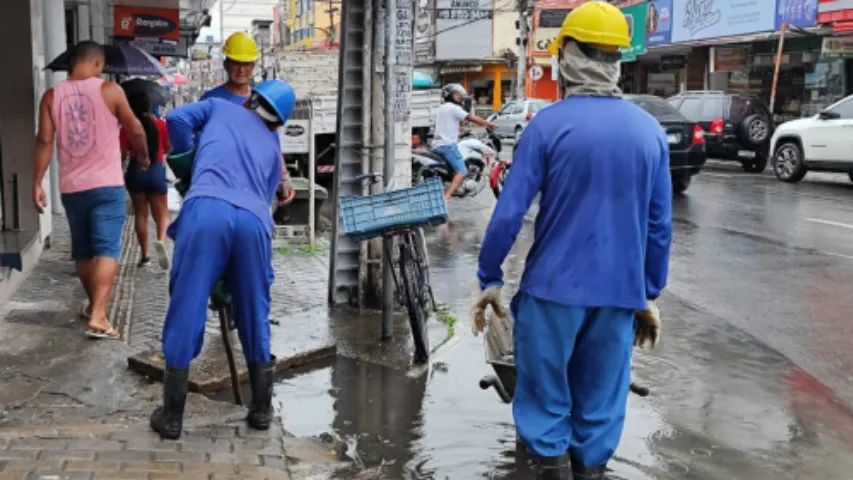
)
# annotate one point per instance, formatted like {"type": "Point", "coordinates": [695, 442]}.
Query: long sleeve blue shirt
{"type": "Point", "coordinates": [603, 232]}
{"type": "Point", "coordinates": [238, 158]}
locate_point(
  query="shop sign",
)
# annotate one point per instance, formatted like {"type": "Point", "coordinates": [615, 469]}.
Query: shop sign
{"type": "Point", "coordinates": [730, 59]}
{"type": "Point", "coordinates": [146, 22]}
{"type": "Point", "coordinates": [658, 22]}
{"type": "Point", "coordinates": [294, 136]}
{"type": "Point", "coordinates": [837, 47]}
{"type": "Point", "coordinates": [636, 17]}
{"type": "Point", "coordinates": [158, 47]}
{"type": "Point", "coordinates": [703, 19]}
{"type": "Point", "coordinates": [800, 13]}
{"type": "Point", "coordinates": [673, 62]}
{"type": "Point", "coordinates": [542, 37]}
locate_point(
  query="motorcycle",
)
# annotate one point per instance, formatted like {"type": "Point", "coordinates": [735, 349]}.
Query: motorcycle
{"type": "Point", "coordinates": [500, 172]}
{"type": "Point", "coordinates": [479, 153]}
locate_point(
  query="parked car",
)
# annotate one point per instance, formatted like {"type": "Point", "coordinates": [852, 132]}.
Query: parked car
{"type": "Point", "coordinates": [737, 126]}
{"type": "Point", "coordinates": [823, 142]}
{"type": "Point", "coordinates": [686, 139]}
{"type": "Point", "coordinates": [513, 118]}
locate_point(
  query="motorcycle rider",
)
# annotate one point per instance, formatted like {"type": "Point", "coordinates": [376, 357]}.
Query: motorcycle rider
{"type": "Point", "coordinates": [600, 255]}
{"type": "Point", "coordinates": [446, 132]}
{"type": "Point", "coordinates": [224, 227]}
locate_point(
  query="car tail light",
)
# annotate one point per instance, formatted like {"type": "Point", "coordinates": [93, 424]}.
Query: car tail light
{"type": "Point", "coordinates": [529, 117]}
{"type": "Point", "coordinates": [717, 126]}
{"type": "Point", "coordinates": [698, 134]}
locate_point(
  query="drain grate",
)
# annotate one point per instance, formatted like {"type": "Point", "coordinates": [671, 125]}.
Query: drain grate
{"type": "Point", "coordinates": [42, 318]}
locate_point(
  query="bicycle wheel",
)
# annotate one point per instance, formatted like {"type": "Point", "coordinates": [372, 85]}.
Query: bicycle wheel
{"type": "Point", "coordinates": [413, 297]}
{"type": "Point", "coordinates": [422, 259]}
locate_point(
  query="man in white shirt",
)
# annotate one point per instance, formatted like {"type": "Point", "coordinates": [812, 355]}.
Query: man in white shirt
{"type": "Point", "coordinates": [446, 132]}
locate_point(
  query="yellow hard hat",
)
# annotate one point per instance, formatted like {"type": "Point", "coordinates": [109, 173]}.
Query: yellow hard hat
{"type": "Point", "coordinates": [241, 48]}
{"type": "Point", "coordinates": [597, 23]}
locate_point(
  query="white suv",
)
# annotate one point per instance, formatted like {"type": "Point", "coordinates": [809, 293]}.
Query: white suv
{"type": "Point", "coordinates": [823, 143]}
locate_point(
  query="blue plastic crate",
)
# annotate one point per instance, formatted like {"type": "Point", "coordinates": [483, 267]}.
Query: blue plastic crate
{"type": "Point", "coordinates": [370, 216]}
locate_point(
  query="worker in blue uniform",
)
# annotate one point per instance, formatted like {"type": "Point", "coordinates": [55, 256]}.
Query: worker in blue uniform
{"type": "Point", "coordinates": [224, 227]}
{"type": "Point", "coordinates": [600, 253]}
{"type": "Point", "coordinates": [241, 52]}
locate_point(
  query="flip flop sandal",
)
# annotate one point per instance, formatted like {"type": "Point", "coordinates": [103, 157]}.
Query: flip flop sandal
{"type": "Point", "coordinates": [101, 334]}
{"type": "Point", "coordinates": [85, 311]}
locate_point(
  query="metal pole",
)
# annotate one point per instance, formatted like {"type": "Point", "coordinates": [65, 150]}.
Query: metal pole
{"type": "Point", "coordinates": [522, 49]}
{"type": "Point", "coordinates": [778, 64]}
{"type": "Point", "coordinates": [388, 165]}
{"type": "Point", "coordinates": [312, 171]}
{"type": "Point", "coordinates": [221, 23]}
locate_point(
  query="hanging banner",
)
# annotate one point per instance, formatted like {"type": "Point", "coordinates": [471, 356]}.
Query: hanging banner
{"type": "Point", "coordinates": [636, 17]}
{"type": "Point", "coordinates": [146, 22]}
{"type": "Point", "coordinates": [658, 22]}
{"type": "Point", "coordinates": [799, 13]}
{"type": "Point", "coordinates": [704, 19]}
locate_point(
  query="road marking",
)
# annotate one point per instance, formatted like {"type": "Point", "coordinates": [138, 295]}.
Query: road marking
{"type": "Point", "coordinates": [839, 255]}
{"type": "Point", "coordinates": [720, 175]}
{"type": "Point", "coordinates": [830, 222]}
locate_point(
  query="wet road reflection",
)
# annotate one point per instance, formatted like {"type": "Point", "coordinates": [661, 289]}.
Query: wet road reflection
{"type": "Point", "coordinates": [751, 380]}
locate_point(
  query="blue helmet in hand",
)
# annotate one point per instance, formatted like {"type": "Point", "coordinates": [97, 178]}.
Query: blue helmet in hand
{"type": "Point", "coordinates": [273, 100]}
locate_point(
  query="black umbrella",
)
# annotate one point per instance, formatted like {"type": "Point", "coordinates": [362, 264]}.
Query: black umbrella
{"type": "Point", "coordinates": [123, 59]}
{"type": "Point", "coordinates": [156, 93]}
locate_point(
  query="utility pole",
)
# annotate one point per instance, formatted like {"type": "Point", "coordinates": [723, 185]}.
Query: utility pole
{"type": "Point", "coordinates": [523, 7]}
{"type": "Point", "coordinates": [221, 23]}
{"type": "Point", "coordinates": [390, 156]}
{"type": "Point", "coordinates": [331, 32]}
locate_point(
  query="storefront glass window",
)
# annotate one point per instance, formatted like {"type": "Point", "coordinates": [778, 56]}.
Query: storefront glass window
{"type": "Point", "coordinates": [824, 86]}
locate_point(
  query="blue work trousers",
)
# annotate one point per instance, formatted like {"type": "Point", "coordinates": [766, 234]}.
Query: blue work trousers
{"type": "Point", "coordinates": [574, 373]}
{"type": "Point", "coordinates": [213, 237]}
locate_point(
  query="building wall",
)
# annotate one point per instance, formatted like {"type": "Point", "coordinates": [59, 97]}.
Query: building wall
{"type": "Point", "coordinates": [310, 22]}
{"type": "Point", "coordinates": [504, 32]}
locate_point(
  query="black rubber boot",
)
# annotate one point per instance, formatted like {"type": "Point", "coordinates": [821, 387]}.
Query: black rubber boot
{"type": "Point", "coordinates": [168, 420]}
{"type": "Point", "coordinates": [554, 468]}
{"type": "Point", "coordinates": [588, 473]}
{"type": "Point", "coordinates": [261, 376]}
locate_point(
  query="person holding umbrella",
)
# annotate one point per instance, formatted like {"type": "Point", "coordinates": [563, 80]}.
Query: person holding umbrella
{"type": "Point", "coordinates": [147, 187]}
{"type": "Point", "coordinates": [83, 114]}
{"type": "Point", "coordinates": [240, 52]}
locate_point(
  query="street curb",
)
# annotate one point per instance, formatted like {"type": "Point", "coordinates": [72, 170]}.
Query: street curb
{"type": "Point", "coordinates": [151, 364]}
{"type": "Point", "coordinates": [120, 307]}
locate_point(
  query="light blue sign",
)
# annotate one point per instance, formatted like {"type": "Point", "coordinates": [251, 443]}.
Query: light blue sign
{"type": "Point", "coordinates": [702, 19]}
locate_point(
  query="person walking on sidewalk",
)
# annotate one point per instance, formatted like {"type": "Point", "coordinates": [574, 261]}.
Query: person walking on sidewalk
{"type": "Point", "coordinates": [224, 227]}
{"type": "Point", "coordinates": [241, 52]}
{"type": "Point", "coordinates": [83, 115]}
{"type": "Point", "coordinates": [600, 254]}
{"type": "Point", "coordinates": [148, 188]}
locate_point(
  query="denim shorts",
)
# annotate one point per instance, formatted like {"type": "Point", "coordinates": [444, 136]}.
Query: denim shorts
{"type": "Point", "coordinates": [151, 181]}
{"type": "Point", "coordinates": [453, 157]}
{"type": "Point", "coordinates": [96, 218]}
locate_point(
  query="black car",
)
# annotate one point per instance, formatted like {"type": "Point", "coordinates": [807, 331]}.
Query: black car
{"type": "Point", "coordinates": [737, 126]}
{"type": "Point", "coordinates": [686, 139]}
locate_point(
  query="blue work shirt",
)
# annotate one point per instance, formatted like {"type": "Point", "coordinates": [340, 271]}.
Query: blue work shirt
{"type": "Point", "coordinates": [225, 94]}
{"type": "Point", "coordinates": [603, 232]}
{"type": "Point", "coordinates": [237, 158]}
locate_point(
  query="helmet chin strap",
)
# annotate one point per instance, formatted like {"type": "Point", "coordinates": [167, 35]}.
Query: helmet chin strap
{"type": "Point", "coordinates": [266, 115]}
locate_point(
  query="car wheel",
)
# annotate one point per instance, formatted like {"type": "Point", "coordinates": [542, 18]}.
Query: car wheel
{"type": "Point", "coordinates": [755, 129]}
{"type": "Point", "coordinates": [756, 165]}
{"type": "Point", "coordinates": [788, 164]}
{"type": "Point", "coordinates": [517, 135]}
{"type": "Point", "coordinates": [680, 182]}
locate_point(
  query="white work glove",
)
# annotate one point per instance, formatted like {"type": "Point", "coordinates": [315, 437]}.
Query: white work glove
{"type": "Point", "coordinates": [647, 326]}
{"type": "Point", "coordinates": [491, 296]}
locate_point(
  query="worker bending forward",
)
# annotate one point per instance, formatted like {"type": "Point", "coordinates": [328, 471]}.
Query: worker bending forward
{"type": "Point", "coordinates": [224, 227]}
{"type": "Point", "coordinates": [600, 252]}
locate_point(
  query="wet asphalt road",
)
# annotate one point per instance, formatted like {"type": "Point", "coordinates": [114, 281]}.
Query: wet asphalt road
{"type": "Point", "coordinates": [753, 379]}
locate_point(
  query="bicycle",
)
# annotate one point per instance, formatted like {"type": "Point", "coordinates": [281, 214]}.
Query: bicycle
{"type": "Point", "coordinates": [400, 215]}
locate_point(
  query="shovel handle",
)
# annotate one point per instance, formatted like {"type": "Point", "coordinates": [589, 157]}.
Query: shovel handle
{"type": "Point", "coordinates": [229, 353]}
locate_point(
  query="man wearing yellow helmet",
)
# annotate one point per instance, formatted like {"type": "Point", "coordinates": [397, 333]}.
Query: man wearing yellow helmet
{"type": "Point", "coordinates": [600, 254]}
{"type": "Point", "coordinates": [240, 52]}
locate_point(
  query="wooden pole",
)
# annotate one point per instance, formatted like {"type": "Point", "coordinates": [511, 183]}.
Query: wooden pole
{"type": "Point", "coordinates": [779, 50]}
{"type": "Point", "coordinates": [229, 353]}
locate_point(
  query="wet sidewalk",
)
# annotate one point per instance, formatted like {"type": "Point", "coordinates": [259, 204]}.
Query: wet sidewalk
{"type": "Point", "coordinates": [70, 408]}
